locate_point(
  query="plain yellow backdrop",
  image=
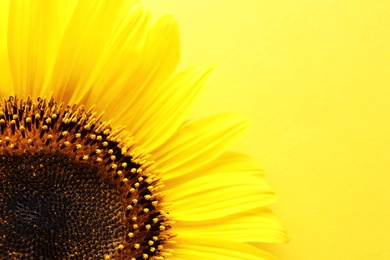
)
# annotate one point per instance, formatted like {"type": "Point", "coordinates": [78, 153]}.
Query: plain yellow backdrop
{"type": "Point", "coordinates": [313, 77]}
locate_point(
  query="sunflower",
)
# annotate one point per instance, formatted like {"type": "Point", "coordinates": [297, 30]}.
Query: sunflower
{"type": "Point", "coordinates": [97, 159]}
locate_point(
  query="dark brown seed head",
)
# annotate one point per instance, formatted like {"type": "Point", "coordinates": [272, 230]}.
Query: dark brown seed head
{"type": "Point", "coordinates": [71, 186]}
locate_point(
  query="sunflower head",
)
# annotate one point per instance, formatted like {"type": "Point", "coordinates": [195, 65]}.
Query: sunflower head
{"type": "Point", "coordinates": [75, 184]}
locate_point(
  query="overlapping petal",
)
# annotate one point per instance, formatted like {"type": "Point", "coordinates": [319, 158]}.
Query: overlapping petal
{"type": "Point", "coordinates": [142, 78]}
{"type": "Point", "coordinates": [5, 71]}
{"type": "Point", "coordinates": [206, 248]}
{"type": "Point", "coordinates": [198, 143]}
{"type": "Point", "coordinates": [257, 225]}
{"type": "Point", "coordinates": [164, 110]}
{"type": "Point", "coordinates": [35, 30]}
{"type": "Point", "coordinates": [218, 193]}
{"type": "Point", "coordinates": [85, 41]}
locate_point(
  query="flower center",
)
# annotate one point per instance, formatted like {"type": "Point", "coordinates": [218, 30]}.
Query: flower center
{"type": "Point", "coordinates": [54, 207]}
{"type": "Point", "coordinates": [71, 186]}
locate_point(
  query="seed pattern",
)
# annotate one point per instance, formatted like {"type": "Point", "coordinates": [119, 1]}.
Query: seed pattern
{"type": "Point", "coordinates": [52, 130]}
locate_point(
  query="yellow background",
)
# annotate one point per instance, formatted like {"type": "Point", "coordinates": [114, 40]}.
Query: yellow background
{"type": "Point", "coordinates": [313, 77]}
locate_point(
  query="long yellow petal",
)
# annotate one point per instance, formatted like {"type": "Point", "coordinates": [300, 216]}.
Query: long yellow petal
{"type": "Point", "coordinates": [199, 247]}
{"type": "Point", "coordinates": [89, 33]}
{"type": "Point", "coordinates": [121, 60]}
{"type": "Point", "coordinates": [5, 71]}
{"type": "Point", "coordinates": [197, 143]}
{"type": "Point", "coordinates": [218, 195]}
{"type": "Point", "coordinates": [146, 72]}
{"type": "Point", "coordinates": [35, 30]}
{"type": "Point", "coordinates": [258, 225]}
{"type": "Point", "coordinates": [164, 110]}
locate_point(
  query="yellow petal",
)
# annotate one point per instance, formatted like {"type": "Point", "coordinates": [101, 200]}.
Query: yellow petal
{"type": "Point", "coordinates": [258, 225]}
{"type": "Point", "coordinates": [163, 111]}
{"type": "Point", "coordinates": [198, 143]}
{"type": "Point", "coordinates": [140, 73]}
{"type": "Point", "coordinates": [198, 247]}
{"type": "Point", "coordinates": [85, 40]}
{"type": "Point", "coordinates": [218, 195]}
{"type": "Point", "coordinates": [35, 30]}
{"type": "Point", "coordinates": [160, 57]}
{"type": "Point", "coordinates": [121, 59]}
{"type": "Point", "coordinates": [6, 88]}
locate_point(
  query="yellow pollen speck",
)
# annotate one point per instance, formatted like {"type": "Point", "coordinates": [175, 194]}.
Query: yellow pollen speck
{"type": "Point", "coordinates": [99, 138]}
{"type": "Point", "coordinates": [44, 127]}
{"type": "Point", "coordinates": [140, 179]}
{"type": "Point", "coordinates": [146, 210]}
{"type": "Point", "coordinates": [113, 157]}
{"type": "Point", "coordinates": [113, 166]}
{"type": "Point", "coordinates": [85, 157]}
{"type": "Point", "coordinates": [48, 120]}
{"type": "Point", "coordinates": [28, 119]}
{"type": "Point", "coordinates": [136, 184]}
{"type": "Point", "coordinates": [155, 238]}
{"type": "Point", "coordinates": [78, 146]}
{"type": "Point", "coordinates": [134, 219]}
{"type": "Point", "coordinates": [49, 136]}
{"type": "Point", "coordinates": [145, 256]}
{"type": "Point", "coordinates": [152, 249]}
{"type": "Point", "coordinates": [162, 227]}
{"type": "Point", "coordinates": [136, 246]}
{"type": "Point", "coordinates": [124, 165]}
{"type": "Point", "coordinates": [135, 226]}
{"type": "Point", "coordinates": [147, 226]}
{"type": "Point", "coordinates": [107, 257]}
{"type": "Point", "coordinates": [155, 220]}
{"type": "Point", "coordinates": [120, 247]}
{"type": "Point", "coordinates": [64, 133]}
{"type": "Point", "coordinates": [67, 143]}
{"type": "Point", "coordinates": [105, 144]}
{"type": "Point", "coordinates": [110, 151]}
{"type": "Point", "coordinates": [78, 135]}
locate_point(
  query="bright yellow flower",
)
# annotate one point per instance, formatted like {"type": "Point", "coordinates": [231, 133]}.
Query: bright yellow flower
{"type": "Point", "coordinates": [74, 184]}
